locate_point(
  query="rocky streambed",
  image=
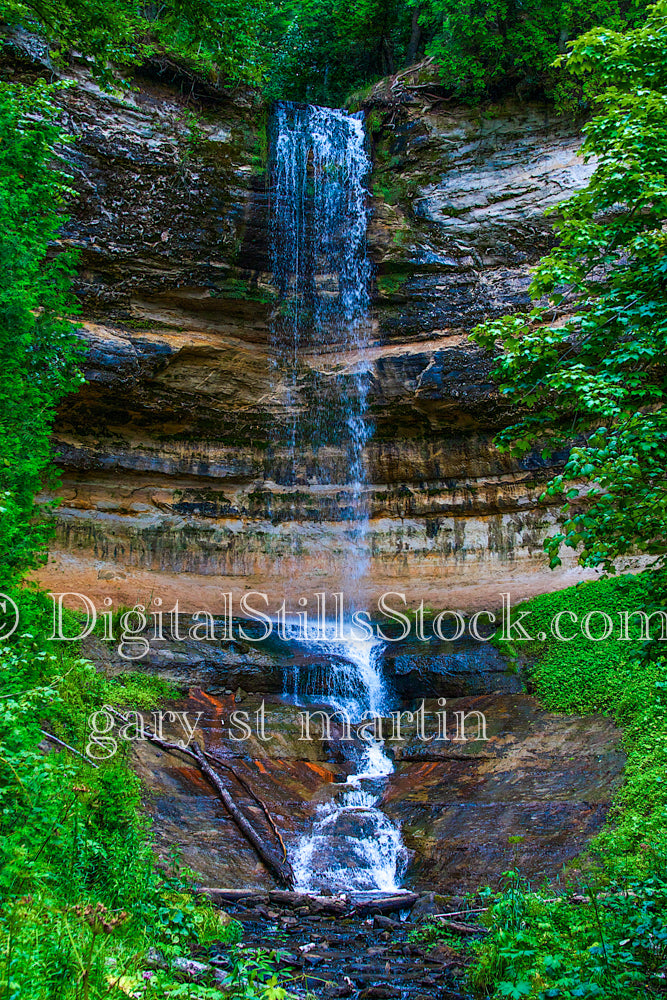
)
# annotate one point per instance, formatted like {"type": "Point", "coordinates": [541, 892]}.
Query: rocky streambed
{"type": "Point", "coordinates": [345, 947]}
{"type": "Point", "coordinates": [480, 779]}
{"type": "Point", "coordinates": [336, 949]}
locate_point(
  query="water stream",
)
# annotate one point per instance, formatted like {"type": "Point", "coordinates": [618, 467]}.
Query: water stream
{"type": "Point", "coordinates": [352, 845]}
{"type": "Point", "coordinates": [321, 332]}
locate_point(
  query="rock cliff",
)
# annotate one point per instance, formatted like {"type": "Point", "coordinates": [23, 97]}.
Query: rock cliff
{"type": "Point", "coordinates": [173, 471]}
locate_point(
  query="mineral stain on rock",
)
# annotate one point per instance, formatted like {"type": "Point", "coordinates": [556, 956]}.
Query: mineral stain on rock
{"type": "Point", "coordinates": [177, 480]}
{"type": "Point", "coordinates": [173, 469]}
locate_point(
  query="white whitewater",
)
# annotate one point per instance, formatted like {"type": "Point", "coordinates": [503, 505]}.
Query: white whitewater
{"type": "Point", "coordinates": [319, 217]}
{"type": "Point", "coordinates": [319, 200]}
{"type": "Point", "coordinates": [353, 845]}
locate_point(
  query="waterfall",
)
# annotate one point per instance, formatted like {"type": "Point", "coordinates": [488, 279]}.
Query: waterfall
{"type": "Point", "coordinates": [352, 845]}
{"type": "Point", "coordinates": [321, 332]}
{"type": "Point", "coordinates": [322, 324]}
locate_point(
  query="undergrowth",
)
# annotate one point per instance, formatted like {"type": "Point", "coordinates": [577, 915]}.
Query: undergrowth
{"type": "Point", "coordinates": [83, 899]}
{"type": "Point", "coordinates": [602, 932]}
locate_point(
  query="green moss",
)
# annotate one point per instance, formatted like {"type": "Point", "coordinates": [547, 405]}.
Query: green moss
{"type": "Point", "coordinates": [602, 943]}
{"type": "Point", "coordinates": [134, 689]}
{"type": "Point", "coordinates": [390, 284]}
{"type": "Point", "coordinates": [626, 679]}
{"type": "Point", "coordinates": [236, 288]}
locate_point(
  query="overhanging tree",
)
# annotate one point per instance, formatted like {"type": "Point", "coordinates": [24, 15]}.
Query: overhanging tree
{"type": "Point", "coordinates": [589, 363]}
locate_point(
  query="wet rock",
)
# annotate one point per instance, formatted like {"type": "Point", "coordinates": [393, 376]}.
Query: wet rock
{"type": "Point", "coordinates": [219, 665]}
{"type": "Point", "coordinates": [545, 777]}
{"type": "Point", "coordinates": [167, 486]}
{"type": "Point", "coordinates": [437, 669]}
{"type": "Point", "coordinates": [382, 991]}
{"type": "Point", "coordinates": [427, 905]}
{"type": "Point", "coordinates": [386, 923]}
{"type": "Point", "coordinates": [190, 969]}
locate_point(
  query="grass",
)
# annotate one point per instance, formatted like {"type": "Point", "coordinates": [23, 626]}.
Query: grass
{"type": "Point", "coordinates": [83, 898]}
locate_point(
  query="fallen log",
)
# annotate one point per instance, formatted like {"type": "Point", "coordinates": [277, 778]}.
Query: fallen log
{"type": "Point", "coordinates": [284, 898]}
{"type": "Point", "coordinates": [317, 904]}
{"type": "Point", "coordinates": [253, 795]}
{"type": "Point", "coordinates": [233, 895]}
{"type": "Point", "coordinates": [279, 867]}
{"type": "Point", "coordinates": [385, 904]}
{"type": "Point", "coordinates": [459, 928]}
{"type": "Point", "coordinates": [66, 746]}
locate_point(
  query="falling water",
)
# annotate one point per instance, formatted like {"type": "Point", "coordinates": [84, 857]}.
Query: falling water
{"type": "Point", "coordinates": [352, 844]}
{"type": "Point", "coordinates": [321, 327]}
{"type": "Point", "coordinates": [321, 333]}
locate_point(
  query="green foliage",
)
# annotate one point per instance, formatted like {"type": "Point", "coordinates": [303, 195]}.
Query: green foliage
{"type": "Point", "coordinates": [36, 338]}
{"type": "Point", "coordinates": [610, 943]}
{"type": "Point", "coordinates": [81, 896]}
{"type": "Point", "coordinates": [322, 49]}
{"type": "Point", "coordinates": [610, 940]}
{"type": "Point", "coordinates": [435, 932]}
{"type": "Point", "coordinates": [217, 37]}
{"type": "Point", "coordinates": [625, 679]}
{"type": "Point", "coordinates": [596, 374]}
{"type": "Point", "coordinates": [483, 47]}
{"type": "Point", "coordinates": [134, 689]}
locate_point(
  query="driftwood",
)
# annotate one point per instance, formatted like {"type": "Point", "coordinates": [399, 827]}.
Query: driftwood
{"type": "Point", "coordinates": [459, 928]}
{"type": "Point", "coordinates": [279, 867]}
{"type": "Point", "coordinates": [253, 795]}
{"type": "Point", "coordinates": [66, 746]}
{"type": "Point", "coordinates": [385, 904]}
{"type": "Point", "coordinates": [363, 904]}
{"type": "Point", "coordinates": [335, 905]}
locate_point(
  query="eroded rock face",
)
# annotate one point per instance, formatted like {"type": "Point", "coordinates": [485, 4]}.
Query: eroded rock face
{"type": "Point", "coordinates": [176, 478]}
{"type": "Point", "coordinates": [543, 778]}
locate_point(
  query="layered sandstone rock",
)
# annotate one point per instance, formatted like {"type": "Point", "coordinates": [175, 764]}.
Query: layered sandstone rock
{"type": "Point", "coordinates": [176, 479]}
{"type": "Point", "coordinates": [529, 796]}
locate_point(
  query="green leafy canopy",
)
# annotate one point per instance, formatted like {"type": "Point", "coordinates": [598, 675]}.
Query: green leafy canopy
{"type": "Point", "coordinates": [219, 37]}
{"type": "Point", "coordinates": [588, 363]}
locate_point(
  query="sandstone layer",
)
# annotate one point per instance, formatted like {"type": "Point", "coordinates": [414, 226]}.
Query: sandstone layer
{"type": "Point", "coordinates": [542, 778]}
{"type": "Point", "coordinates": [175, 476]}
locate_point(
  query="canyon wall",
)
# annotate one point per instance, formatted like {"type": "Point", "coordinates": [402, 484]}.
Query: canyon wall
{"type": "Point", "coordinates": [175, 475]}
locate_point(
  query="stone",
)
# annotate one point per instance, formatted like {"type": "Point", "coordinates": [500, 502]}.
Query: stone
{"type": "Point", "coordinates": [385, 923]}
{"type": "Point", "coordinates": [424, 908]}
{"type": "Point", "coordinates": [190, 969]}
{"type": "Point", "coordinates": [547, 777]}
{"type": "Point", "coordinates": [166, 485]}
{"type": "Point", "coordinates": [155, 959]}
{"type": "Point", "coordinates": [382, 991]}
